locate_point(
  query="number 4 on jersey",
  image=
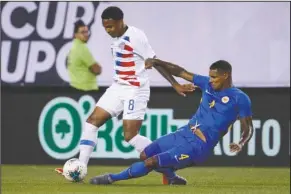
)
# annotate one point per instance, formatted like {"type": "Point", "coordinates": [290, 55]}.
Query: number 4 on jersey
{"type": "Point", "coordinates": [183, 157]}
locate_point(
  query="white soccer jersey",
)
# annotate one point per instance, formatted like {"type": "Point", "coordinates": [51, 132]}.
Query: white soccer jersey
{"type": "Point", "coordinates": [129, 54]}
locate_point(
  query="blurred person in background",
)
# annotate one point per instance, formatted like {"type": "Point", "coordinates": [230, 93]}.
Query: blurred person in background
{"type": "Point", "coordinates": [82, 67]}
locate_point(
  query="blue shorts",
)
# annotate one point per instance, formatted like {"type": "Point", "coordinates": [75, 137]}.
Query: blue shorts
{"type": "Point", "coordinates": [179, 149]}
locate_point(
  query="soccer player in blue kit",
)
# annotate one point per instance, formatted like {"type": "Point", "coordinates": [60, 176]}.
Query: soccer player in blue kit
{"type": "Point", "coordinates": [220, 106]}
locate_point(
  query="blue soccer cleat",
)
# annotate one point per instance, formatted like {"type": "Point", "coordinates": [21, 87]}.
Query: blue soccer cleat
{"type": "Point", "coordinates": [101, 180]}
{"type": "Point", "coordinates": [177, 180]}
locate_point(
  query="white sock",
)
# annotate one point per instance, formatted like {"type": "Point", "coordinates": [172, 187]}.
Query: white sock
{"type": "Point", "coordinates": [88, 142]}
{"type": "Point", "coordinates": [140, 142]}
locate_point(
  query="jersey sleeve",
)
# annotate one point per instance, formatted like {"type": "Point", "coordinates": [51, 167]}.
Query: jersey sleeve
{"type": "Point", "coordinates": [143, 46]}
{"type": "Point", "coordinates": [86, 56]}
{"type": "Point", "coordinates": [244, 106]}
{"type": "Point", "coordinates": [200, 81]}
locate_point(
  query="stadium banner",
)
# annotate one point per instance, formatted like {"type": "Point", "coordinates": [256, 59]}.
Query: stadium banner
{"type": "Point", "coordinates": [41, 126]}
{"type": "Point", "coordinates": [36, 38]}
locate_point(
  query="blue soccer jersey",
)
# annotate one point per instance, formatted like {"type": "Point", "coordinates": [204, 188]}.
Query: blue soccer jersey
{"type": "Point", "coordinates": [218, 110]}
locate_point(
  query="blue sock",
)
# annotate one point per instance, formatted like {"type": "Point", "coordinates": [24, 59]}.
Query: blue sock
{"type": "Point", "coordinates": [170, 173]}
{"type": "Point", "coordinates": [138, 169]}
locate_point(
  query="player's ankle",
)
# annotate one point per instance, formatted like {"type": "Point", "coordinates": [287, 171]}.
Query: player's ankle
{"type": "Point", "coordinates": [110, 178]}
{"type": "Point", "coordinates": [172, 177]}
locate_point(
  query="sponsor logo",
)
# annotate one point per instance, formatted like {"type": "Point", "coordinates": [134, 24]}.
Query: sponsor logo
{"type": "Point", "coordinates": [61, 122]}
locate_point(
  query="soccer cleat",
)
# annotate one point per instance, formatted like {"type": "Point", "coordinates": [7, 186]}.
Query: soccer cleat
{"type": "Point", "coordinates": [59, 171]}
{"type": "Point", "coordinates": [177, 180]}
{"type": "Point", "coordinates": [101, 180]}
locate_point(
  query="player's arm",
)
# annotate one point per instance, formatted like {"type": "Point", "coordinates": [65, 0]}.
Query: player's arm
{"type": "Point", "coordinates": [173, 69]}
{"type": "Point", "coordinates": [247, 130]}
{"type": "Point", "coordinates": [245, 116]}
{"type": "Point", "coordinates": [198, 80]}
{"type": "Point", "coordinates": [180, 89]}
{"type": "Point", "coordinates": [167, 75]}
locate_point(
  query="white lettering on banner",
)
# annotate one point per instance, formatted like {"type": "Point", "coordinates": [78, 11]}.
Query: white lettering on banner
{"type": "Point", "coordinates": [252, 142]}
{"type": "Point", "coordinates": [20, 62]}
{"type": "Point", "coordinates": [54, 41]}
{"type": "Point", "coordinates": [273, 125]}
{"type": "Point", "coordinates": [61, 122]}
{"type": "Point", "coordinates": [42, 18]}
{"type": "Point", "coordinates": [7, 25]}
{"type": "Point", "coordinates": [33, 65]}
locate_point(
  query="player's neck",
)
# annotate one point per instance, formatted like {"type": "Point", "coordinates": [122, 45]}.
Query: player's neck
{"type": "Point", "coordinates": [227, 85]}
{"type": "Point", "coordinates": [125, 27]}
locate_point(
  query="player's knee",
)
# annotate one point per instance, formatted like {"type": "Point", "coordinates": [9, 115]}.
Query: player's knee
{"type": "Point", "coordinates": [152, 162]}
{"type": "Point", "coordinates": [93, 119]}
{"type": "Point", "coordinates": [131, 128]}
{"type": "Point", "coordinates": [128, 136]}
{"type": "Point", "coordinates": [143, 155]}
{"type": "Point", "coordinates": [98, 117]}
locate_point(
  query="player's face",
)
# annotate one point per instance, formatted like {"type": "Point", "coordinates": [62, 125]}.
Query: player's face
{"type": "Point", "coordinates": [83, 33]}
{"type": "Point", "coordinates": [113, 27]}
{"type": "Point", "coordinates": [217, 79]}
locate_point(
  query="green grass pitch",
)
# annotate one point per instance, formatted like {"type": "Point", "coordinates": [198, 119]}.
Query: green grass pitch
{"type": "Point", "coordinates": [24, 179]}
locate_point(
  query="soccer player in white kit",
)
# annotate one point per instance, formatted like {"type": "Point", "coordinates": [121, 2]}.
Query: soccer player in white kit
{"type": "Point", "coordinates": [130, 90]}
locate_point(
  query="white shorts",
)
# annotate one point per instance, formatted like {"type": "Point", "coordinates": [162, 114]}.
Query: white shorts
{"type": "Point", "coordinates": [131, 100]}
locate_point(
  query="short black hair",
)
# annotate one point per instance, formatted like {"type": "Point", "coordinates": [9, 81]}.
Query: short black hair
{"type": "Point", "coordinates": [78, 24]}
{"type": "Point", "coordinates": [222, 66]}
{"type": "Point", "coordinates": [112, 12]}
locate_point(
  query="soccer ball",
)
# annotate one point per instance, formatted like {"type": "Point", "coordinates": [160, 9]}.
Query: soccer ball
{"type": "Point", "coordinates": [74, 170]}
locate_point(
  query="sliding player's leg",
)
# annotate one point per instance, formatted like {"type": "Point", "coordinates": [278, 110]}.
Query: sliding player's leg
{"type": "Point", "coordinates": [161, 145]}
{"type": "Point", "coordinates": [179, 156]}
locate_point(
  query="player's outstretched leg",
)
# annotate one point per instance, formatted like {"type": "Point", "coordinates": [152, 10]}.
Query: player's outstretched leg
{"type": "Point", "coordinates": [136, 170]}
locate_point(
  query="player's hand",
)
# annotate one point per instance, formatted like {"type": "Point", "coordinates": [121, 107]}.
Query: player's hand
{"type": "Point", "coordinates": [234, 147]}
{"type": "Point", "coordinates": [182, 89]}
{"type": "Point", "coordinates": [149, 63]}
